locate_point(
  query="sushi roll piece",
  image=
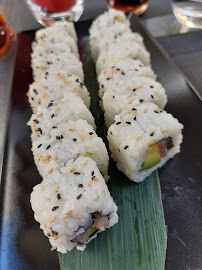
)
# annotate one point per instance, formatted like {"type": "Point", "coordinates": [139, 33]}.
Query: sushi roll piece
{"type": "Point", "coordinates": [106, 35]}
{"type": "Point", "coordinates": [143, 139]}
{"type": "Point", "coordinates": [69, 140]}
{"type": "Point", "coordinates": [65, 61]}
{"type": "Point", "coordinates": [69, 107]}
{"type": "Point", "coordinates": [120, 96]}
{"type": "Point", "coordinates": [124, 70]}
{"type": "Point", "coordinates": [53, 85]}
{"type": "Point", "coordinates": [57, 38]}
{"type": "Point", "coordinates": [62, 28]}
{"type": "Point", "coordinates": [73, 205]}
{"type": "Point", "coordinates": [121, 50]}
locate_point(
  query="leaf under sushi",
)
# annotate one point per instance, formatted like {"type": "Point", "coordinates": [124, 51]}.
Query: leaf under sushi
{"type": "Point", "coordinates": [139, 239]}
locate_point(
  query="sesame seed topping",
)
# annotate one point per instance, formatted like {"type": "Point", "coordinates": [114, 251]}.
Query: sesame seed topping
{"type": "Point", "coordinates": [102, 85]}
{"type": "Point", "coordinates": [151, 86]}
{"type": "Point", "coordinates": [145, 111]}
{"type": "Point", "coordinates": [52, 219]}
{"type": "Point", "coordinates": [77, 80]}
{"type": "Point", "coordinates": [118, 69]}
{"type": "Point", "coordinates": [39, 145]}
{"type": "Point", "coordinates": [48, 147]}
{"type": "Point", "coordinates": [134, 89]}
{"type": "Point", "coordinates": [35, 91]}
{"type": "Point", "coordinates": [81, 84]}
{"type": "Point", "coordinates": [141, 100]}
{"type": "Point", "coordinates": [118, 123]}
{"type": "Point", "coordinates": [129, 123]}
{"type": "Point", "coordinates": [79, 197]}
{"type": "Point", "coordinates": [50, 104]}
{"type": "Point", "coordinates": [61, 137]}
{"type": "Point", "coordinates": [72, 170]}
{"type": "Point", "coordinates": [152, 96]}
{"type": "Point", "coordinates": [126, 147]}
{"type": "Point", "coordinates": [91, 133]}
{"type": "Point", "coordinates": [110, 132]}
{"type": "Point", "coordinates": [119, 150]}
{"type": "Point", "coordinates": [69, 212]}
{"type": "Point", "coordinates": [74, 139]}
{"type": "Point", "coordinates": [122, 73]}
{"type": "Point", "coordinates": [54, 232]}
{"type": "Point", "coordinates": [152, 134]}
{"type": "Point", "coordinates": [50, 171]}
{"type": "Point", "coordinates": [133, 109]}
{"type": "Point", "coordinates": [108, 79]}
{"type": "Point", "coordinates": [85, 162]}
{"type": "Point", "coordinates": [58, 137]}
{"type": "Point", "coordinates": [134, 118]}
{"type": "Point", "coordinates": [56, 157]}
{"type": "Point", "coordinates": [72, 130]}
{"type": "Point", "coordinates": [42, 187]}
{"type": "Point", "coordinates": [52, 115]}
{"type": "Point", "coordinates": [77, 173]}
{"type": "Point", "coordinates": [92, 173]}
{"type": "Point", "coordinates": [89, 183]}
{"type": "Point", "coordinates": [55, 208]}
{"type": "Point", "coordinates": [156, 111]}
{"type": "Point", "coordinates": [96, 179]}
{"type": "Point", "coordinates": [36, 121]}
{"type": "Point", "coordinates": [54, 127]}
{"type": "Point", "coordinates": [136, 69]}
{"type": "Point", "coordinates": [59, 196]}
{"type": "Point", "coordinates": [80, 185]}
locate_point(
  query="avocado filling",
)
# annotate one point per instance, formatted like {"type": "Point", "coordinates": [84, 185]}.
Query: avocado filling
{"type": "Point", "coordinates": [97, 223]}
{"type": "Point", "coordinates": [157, 151]}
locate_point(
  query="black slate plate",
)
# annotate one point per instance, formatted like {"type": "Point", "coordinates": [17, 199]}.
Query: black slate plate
{"type": "Point", "coordinates": [23, 246]}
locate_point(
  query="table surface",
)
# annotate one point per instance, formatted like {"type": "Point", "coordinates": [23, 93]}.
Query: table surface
{"type": "Point", "coordinates": [20, 19]}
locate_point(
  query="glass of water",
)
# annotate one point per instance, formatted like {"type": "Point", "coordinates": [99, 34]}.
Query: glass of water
{"type": "Point", "coordinates": [47, 12]}
{"type": "Point", "coordinates": [188, 12]}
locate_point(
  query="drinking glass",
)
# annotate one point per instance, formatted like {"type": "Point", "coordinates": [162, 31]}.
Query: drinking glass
{"type": "Point", "coordinates": [47, 12]}
{"type": "Point", "coordinates": [188, 12]}
{"type": "Point", "coordinates": [137, 6]}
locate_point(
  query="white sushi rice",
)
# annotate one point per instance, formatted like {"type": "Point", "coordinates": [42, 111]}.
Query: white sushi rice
{"type": "Point", "coordinates": [64, 202]}
{"type": "Point", "coordinates": [65, 61]}
{"type": "Point", "coordinates": [120, 96]}
{"type": "Point", "coordinates": [68, 141]}
{"type": "Point", "coordinates": [133, 133]}
{"type": "Point", "coordinates": [53, 85]}
{"type": "Point", "coordinates": [68, 107]}
{"type": "Point", "coordinates": [119, 51]}
{"type": "Point", "coordinates": [124, 70]}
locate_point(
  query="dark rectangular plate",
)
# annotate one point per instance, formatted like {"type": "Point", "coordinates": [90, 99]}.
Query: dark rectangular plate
{"type": "Point", "coordinates": [23, 245]}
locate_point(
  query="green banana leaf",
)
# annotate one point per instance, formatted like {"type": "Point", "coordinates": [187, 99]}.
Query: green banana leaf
{"type": "Point", "coordinates": [138, 241]}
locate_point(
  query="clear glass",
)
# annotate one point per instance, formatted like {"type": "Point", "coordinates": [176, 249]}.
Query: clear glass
{"type": "Point", "coordinates": [188, 12]}
{"type": "Point", "coordinates": [137, 6]}
{"type": "Point", "coordinates": [47, 12]}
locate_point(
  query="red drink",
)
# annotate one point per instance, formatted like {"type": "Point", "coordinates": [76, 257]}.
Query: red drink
{"type": "Point", "coordinates": [56, 5]}
{"type": "Point", "coordinates": [138, 6]}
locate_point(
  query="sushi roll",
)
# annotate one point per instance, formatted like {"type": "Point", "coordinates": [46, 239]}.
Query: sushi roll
{"type": "Point", "coordinates": [119, 51]}
{"type": "Point", "coordinates": [143, 139]}
{"type": "Point", "coordinates": [124, 70]}
{"type": "Point", "coordinates": [69, 107]}
{"type": "Point", "coordinates": [120, 96]}
{"type": "Point", "coordinates": [73, 205]}
{"type": "Point", "coordinates": [68, 140]}
{"type": "Point", "coordinates": [65, 61]}
{"type": "Point", "coordinates": [53, 85]}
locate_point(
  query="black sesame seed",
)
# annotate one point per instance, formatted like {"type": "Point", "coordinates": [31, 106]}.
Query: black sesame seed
{"type": "Point", "coordinates": [78, 197]}
{"type": "Point", "coordinates": [119, 150]}
{"type": "Point", "coordinates": [59, 196]}
{"type": "Point", "coordinates": [61, 137]}
{"type": "Point", "coordinates": [77, 80]}
{"type": "Point", "coordinates": [39, 145]}
{"type": "Point", "coordinates": [93, 177]}
{"type": "Point", "coordinates": [77, 173]}
{"type": "Point", "coordinates": [58, 137]}
{"type": "Point", "coordinates": [80, 185]}
{"type": "Point", "coordinates": [113, 96]}
{"type": "Point", "coordinates": [151, 86]}
{"type": "Point", "coordinates": [90, 133]}
{"type": "Point", "coordinates": [156, 111]}
{"type": "Point", "coordinates": [152, 96]}
{"type": "Point", "coordinates": [118, 69]}
{"type": "Point", "coordinates": [36, 121]}
{"type": "Point", "coordinates": [102, 85]}
{"type": "Point", "coordinates": [110, 132]}
{"type": "Point", "coordinates": [118, 123]}
{"type": "Point", "coordinates": [46, 73]}
{"type": "Point", "coordinates": [52, 100]}
{"type": "Point", "coordinates": [152, 134]}
{"type": "Point", "coordinates": [92, 173]}
{"type": "Point", "coordinates": [126, 147]}
{"type": "Point", "coordinates": [134, 109]}
{"type": "Point", "coordinates": [54, 232]}
{"type": "Point", "coordinates": [136, 69]}
{"type": "Point", "coordinates": [161, 111]}
{"type": "Point", "coordinates": [50, 104]}
{"type": "Point", "coordinates": [69, 75]}
{"type": "Point", "coordinates": [48, 147]}
{"type": "Point", "coordinates": [32, 98]}
{"type": "Point", "coordinates": [55, 208]}
{"type": "Point", "coordinates": [49, 63]}
{"type": "Point", "coordinates": [134, 89]}
{"type": "Point", "coordinates": [74, 139]}
{"type": "Point", "coordinates": [108, 79]}
{"type": "Point", "coordinates": [129, 123]}
{"type": "Point", "coordinates": [134, 118]}
{"type": "Point", "coordinates": [113, 67]}
{"type": "Point", "coordinates": [39, 129]}
{"type": "Point", "coordinates": [122, 73]}
{"type": "Point", "coordinates": [141, 100]}
{"type": "Point", "coordinates": [54, 127]}
{"type": "Point", "coordinates": [81, 84]}
{"type": "Point", "coordinates": [36, 92]}
{"type": "Point", "coordinates": [52, 115]}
